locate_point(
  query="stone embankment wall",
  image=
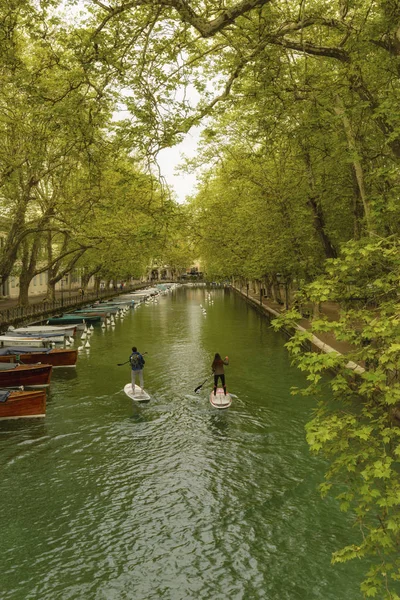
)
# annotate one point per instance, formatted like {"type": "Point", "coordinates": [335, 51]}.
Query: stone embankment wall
{"type": "Point", "coordinates": [315, 344]}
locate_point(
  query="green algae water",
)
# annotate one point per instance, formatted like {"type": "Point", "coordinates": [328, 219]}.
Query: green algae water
{"type": "Point", "coordinates": [107, 499]}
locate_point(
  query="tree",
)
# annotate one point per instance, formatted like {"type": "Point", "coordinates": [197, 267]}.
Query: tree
{"type": "Point", "coordinates": [357, 427]}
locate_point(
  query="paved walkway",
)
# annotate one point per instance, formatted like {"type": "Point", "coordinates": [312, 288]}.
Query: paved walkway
{"type": "Point", "coordinates": [66, 294]}
{"type": "Point", "coordinates": [329, 309]}
{"type": "Point", "coordinates": [12, 302]}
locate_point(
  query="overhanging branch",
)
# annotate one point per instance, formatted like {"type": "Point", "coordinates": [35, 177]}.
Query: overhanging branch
{"type": "Point", "coordinates": [186, 12]}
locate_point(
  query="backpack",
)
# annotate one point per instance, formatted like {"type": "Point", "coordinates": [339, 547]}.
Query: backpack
{"type": "Point", "coordinates": [137, 361]}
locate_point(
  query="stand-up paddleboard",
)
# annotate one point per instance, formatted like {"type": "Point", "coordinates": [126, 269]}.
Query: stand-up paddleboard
{"type": "Point", "coordinates": [220, 400]}
{"type": "Point", "coordinates": [137, 395]}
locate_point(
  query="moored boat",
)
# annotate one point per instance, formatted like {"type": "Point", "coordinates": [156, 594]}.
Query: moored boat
{"type": "Point", "coordinates": [93, 313]}
{"type": "Point", "coordinates": [72, 318]}
{"type": "Point", "coordinates": [67, 330]}
{"type": "Point", "coordinates": [47, 338]}
{"type": "Point", "coordinates": [15, 375]}
{"type": "Point", "coordinates": [119, 303]}
{"type": "Point", "coordinates": [57, 357]}
{"type": "Point", "coordinates": [19, 340]}
{"type": "Point", "coordinates": [97, 310]}
{"type": "Point", "coordinates": [22, 404]}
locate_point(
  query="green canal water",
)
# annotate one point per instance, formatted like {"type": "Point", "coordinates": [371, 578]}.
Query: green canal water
{"type": "Point", "coordinates": [104, 499]}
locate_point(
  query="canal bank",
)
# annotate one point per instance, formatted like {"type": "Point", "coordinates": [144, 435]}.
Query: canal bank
{"type": "Point", "coordinates": [325, 342]}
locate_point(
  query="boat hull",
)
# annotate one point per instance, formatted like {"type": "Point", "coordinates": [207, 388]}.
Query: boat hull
{"type": "Point", "coordinates": [58, 357]}
{"type": "Point", "coordinates": [23, 405]}
{"type": "Point", "coordinates": [30, 375]}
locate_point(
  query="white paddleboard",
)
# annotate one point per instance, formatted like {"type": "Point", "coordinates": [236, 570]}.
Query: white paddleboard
{"type": "Point", "coordinates": [137, 395]}
{"type": "Point", "coordinates": [220, 400]}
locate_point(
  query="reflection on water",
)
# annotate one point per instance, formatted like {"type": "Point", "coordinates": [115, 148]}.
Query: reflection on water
{"type": "Point", "coordinates": [111, 499]}
{"type": "Point", "coordinates": [66, 374]}
{"type": "Point", "coordinates": [29, 429]}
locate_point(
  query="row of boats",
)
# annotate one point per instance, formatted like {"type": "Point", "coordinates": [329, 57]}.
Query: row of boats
{"type": "Point", "coordinates": [29, 354]}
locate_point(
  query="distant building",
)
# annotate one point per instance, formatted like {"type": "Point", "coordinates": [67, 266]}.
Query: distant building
{"type": "Point", "coordinates": [194, 272]}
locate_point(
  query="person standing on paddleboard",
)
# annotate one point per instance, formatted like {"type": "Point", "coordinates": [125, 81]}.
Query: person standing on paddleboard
{"type": "Point", "coordinates": [218, 370]}
{"type": "Point", "coordinates": [137, 363]}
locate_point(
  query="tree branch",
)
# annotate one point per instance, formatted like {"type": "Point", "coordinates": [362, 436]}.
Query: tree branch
{"type": "Point", "coordinates": [187, 14]}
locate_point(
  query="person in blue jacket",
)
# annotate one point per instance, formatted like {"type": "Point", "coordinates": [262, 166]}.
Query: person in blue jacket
{"type": "Point", "coordinates": [137, 363]}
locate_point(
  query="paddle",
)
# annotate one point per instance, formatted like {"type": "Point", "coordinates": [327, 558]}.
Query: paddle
{"type": "Point", "coordinates": [201, 385]}
{"type": "Point", "coordinates": [126, 362]}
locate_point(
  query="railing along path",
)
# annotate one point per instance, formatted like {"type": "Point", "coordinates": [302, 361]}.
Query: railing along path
{"type": "Point", "coordinates": [38, 311]}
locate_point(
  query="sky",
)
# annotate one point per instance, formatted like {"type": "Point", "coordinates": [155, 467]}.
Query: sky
{"type": "Point", "coordinates": [170, 158]}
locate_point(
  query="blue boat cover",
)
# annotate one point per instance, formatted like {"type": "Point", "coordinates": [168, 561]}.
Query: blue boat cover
{"type": "Point", "coordinates": [4, 395]}
{"type": "Point", "coordinates": [8, 366]}
{"type": "Point", "coordinates": [11, 350]}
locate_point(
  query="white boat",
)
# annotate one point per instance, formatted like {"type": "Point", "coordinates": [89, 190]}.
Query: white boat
{"type": "Point", "coordinates": [65, 330]}
{"type": "Point", "coordinates": [117, 303]}
{"type": "Point", "coordinates": [50, 337]}
{"type": "Point", "coordinates": [33, 342]}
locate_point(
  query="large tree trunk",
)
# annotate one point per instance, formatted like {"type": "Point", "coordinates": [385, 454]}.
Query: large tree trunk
{"type": "Point", "coordinates": [358, 170]}
{"type": "Point", "coordinates": [315, 205]}
{"type": "Point", "coordinates": [24, 281]}
{"type": "Point", "coordinates": [51, 290]}
{"type": "Point", "coordinates": [51, 284]}
{"type": "Point", "coordinates": [276, 290]}
{"type": "Point", "coordinates": [319, 224]}
{"type": "Point", "coordinates": [268, 285]}
{"type": "Point", "coordinates": [19, 228]}
{"type": "Point", "coordinates": [97, 281]}
{"type": "Point", "coordinates": [28, 267]}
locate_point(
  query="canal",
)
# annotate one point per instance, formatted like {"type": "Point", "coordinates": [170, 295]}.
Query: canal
{"type": "Point", "coordinates": [172, 499]}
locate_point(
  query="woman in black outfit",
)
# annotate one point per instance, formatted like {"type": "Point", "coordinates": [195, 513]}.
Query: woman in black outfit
{"type": "Point", "coordinates": [218, 370]}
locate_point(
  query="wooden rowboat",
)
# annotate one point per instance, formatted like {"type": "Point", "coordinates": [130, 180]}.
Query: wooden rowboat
{"type": "Point", "coordinates": [57, 357]}
{"type": "Point", "coordinates": [32, 375]}
{"type": "Point", "coordinates": [22, 405]}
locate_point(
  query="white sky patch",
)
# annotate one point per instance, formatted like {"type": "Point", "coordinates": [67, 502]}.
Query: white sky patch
{"type": "Point", "coordinates": [169, 160]}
